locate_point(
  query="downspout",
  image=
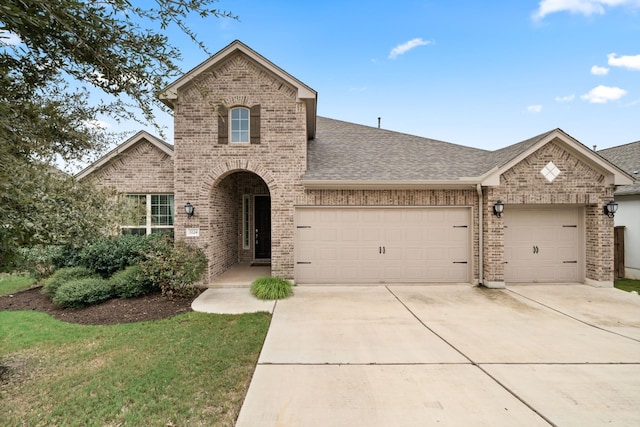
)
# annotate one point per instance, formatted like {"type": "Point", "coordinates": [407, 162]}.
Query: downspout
{"type": "Point", "coordinates": [480, 238]}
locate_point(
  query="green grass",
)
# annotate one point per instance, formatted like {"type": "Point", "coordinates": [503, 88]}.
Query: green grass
{"type": "Point", "coordinates": [628, 285]}
{"type": "Point", "coordinates": [192, 369]}
{"type": "Point", "coordinates": [271, 288]}
{"type": "Point", "coordinates": [12, 283]}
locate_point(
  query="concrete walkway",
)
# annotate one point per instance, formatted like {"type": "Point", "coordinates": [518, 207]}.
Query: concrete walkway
{"type": "Point", "coordinates": [565, 355]}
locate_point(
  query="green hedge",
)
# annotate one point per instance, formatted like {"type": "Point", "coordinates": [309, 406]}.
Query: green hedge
{"type": "Point", "coordinates": [63, 276]}
{"type": "Point", "coordinates": [130, 282]}
{"type": "Point", "coordinates": [83, 292]}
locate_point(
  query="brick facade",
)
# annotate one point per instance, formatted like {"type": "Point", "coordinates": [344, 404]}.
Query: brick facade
{"type": "Point", "coordinates": [205, 169]}
{"type": "Point", "coordinates": [214, 174]}
{"type": "Point", "coordinates": [143, 169]}
{"type": "Point", "coordinates": [577, 185]}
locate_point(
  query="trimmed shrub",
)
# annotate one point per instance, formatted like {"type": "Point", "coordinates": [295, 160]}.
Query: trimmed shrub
{"type": "Point", "coordinates": [173, 268]}
{"type": "Point", "coordinates": [130, 282]}
{"type": "Point", "coordinates": [271, 288]}
{"type": "Point", "coordinates": [83, 292]}
{"type": "Point", "coordinates": [64, 275]}
{"type": "Point", "coordinates": [108, 255]}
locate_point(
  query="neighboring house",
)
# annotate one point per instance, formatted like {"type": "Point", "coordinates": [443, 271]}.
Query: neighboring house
{"type": "Point", "coordinates": [325, 201]}
{"type": "Point", "coordinates": [627, 157]}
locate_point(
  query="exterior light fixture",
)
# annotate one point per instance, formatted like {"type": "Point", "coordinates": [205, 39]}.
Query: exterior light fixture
{"type": "Point", "coordinates": [189, 209]}
{"type": "Point", "coordinates": [610, 209]}
{"type": "Point", "coordinates": [498, 208]}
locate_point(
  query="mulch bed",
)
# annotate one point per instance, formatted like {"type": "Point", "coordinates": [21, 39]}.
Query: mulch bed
{"type": "Point", "coordinates": [149, 307]}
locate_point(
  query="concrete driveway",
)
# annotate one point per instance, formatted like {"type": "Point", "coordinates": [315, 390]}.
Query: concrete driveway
{"type": "Point", "coordinates": [450, 355]}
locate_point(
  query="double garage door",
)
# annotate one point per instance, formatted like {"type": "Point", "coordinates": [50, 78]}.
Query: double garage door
{"type": "Point", "coordinates": [382, 245]}
{"type": "Point", "coordinates": [543, 245]}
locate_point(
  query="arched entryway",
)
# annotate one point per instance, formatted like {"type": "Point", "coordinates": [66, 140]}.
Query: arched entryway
{"type": "Point", "coordinates": [240, 222]}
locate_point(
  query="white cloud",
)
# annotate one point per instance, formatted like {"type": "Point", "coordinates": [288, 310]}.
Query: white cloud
{"type": "Point", "coordinates": [97, 124]}
{"type": "Point", "coordinates": [584, 7]}
{"type": "Point", "coordinates": [566, 98]}
{"type": "Point", "coordinates": [534, 108]}
{"type": "Point", "coordinates": [603, 94]}
{"type": "Point", "coordinates": [406, 47]}
{"type": "Point", "coordinates": [626, 61]}
{"type": "Point", "coordinates": [599, 71]}
{"type": "Point", "coordinates": [9, 39]}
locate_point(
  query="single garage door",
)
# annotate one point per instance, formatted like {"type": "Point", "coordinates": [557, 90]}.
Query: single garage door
{"type": "Point", "coordinates": [382, 245]}
{"type": "Point", "coordinates": [543, 245]}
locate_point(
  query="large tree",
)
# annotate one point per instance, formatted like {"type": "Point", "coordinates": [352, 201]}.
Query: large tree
{"type": "Point", "coordinates": [62, 52]}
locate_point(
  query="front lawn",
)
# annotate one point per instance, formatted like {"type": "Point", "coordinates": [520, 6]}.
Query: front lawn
{"type": "Point", "coordinates": [192, 369]}
{"type": "Point", "coordinates": [11, 283]}
{"type": "Point", "coordinates": [628, 285]}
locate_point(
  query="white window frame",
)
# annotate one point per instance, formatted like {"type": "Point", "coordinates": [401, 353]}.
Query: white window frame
{"type": "Point", "coordinates": [239, 132]}
{"type": "Point", "coordinates": [148, 226]}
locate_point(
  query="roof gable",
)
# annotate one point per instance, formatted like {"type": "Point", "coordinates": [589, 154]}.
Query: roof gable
{"type": "Point", "coordinates": [303, 92]}
{"type": "Point", "coordinates": [508, 157]}
{"type": "Point", "coordinates": [136, 139]}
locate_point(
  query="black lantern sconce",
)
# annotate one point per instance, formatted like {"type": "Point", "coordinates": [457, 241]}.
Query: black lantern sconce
{"type": "Point", "coordinates": [189, 209]}
{"type": "Point", "coordinates": [610, 209]}
{"type": "Point", "coordinates": [498, 208]}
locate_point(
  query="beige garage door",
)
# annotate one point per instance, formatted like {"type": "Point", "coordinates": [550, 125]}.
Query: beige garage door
{"type": "Point", "coordinates": [382, 245]}
{"type": "Point", "coordinates": [543, 245]}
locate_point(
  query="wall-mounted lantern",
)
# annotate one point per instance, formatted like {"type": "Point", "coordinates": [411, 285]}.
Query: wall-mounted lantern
{"type": "Point", "coordinates": [610, 208]}
{"type": "Point", "coordinates": [498, 208]}
{"type": "Point", "coordinates": [189, 209]}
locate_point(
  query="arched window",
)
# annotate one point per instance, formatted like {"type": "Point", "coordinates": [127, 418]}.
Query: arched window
{"type": "Point", "coordinates": [239, 124]}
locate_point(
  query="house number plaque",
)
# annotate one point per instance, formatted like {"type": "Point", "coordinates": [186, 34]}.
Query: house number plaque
{"type": "Point", "coordinates": [193, 232]}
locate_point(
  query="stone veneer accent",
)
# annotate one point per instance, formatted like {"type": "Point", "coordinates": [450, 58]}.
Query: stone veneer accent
{"type": "Point", "coordinates": [578, 184]}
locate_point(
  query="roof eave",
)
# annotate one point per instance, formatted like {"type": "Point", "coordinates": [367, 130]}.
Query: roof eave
{"type": "Point", "coordinates": [321, 184]}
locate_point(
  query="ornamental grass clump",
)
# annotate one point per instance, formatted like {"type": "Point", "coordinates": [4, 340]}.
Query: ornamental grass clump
{"type": "Point", "coordinates": [271, 288]}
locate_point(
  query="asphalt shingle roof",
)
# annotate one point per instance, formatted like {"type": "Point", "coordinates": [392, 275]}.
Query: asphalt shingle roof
{"type": "Point", "coordinates": [627, 158]}
{"type": "Point", "coordinates": [348, 151]}
{"type": "Point", "coordinates": [352, 152]}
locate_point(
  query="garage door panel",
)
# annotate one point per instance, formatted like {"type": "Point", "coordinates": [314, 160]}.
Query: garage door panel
{"type": "Point", "coordinates": [543, 245]}
{"type": "Point", "coordinates": [382, 244]}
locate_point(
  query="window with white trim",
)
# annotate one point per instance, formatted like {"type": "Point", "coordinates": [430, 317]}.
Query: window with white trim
{"type": "Point", "coordinates": [149, 213]}
{"type": "Point", "coordinates": [239, 125]}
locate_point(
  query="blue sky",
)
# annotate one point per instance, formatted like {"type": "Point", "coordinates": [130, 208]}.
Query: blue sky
{"type": "Point", "coordinates": [485, 74]}
{"type": "Point", "coordinates": [480, 73]}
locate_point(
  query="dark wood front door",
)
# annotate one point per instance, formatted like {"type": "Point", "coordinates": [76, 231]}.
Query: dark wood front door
{"type": "Point", "coordinates": [262, 220]}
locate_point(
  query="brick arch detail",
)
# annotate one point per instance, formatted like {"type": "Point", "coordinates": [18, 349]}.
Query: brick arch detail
{"type": "Point", "coordinates": [224, 169]}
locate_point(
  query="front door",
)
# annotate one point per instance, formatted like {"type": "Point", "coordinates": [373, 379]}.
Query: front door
{"type": "Point", "coordinates": [262, 222]}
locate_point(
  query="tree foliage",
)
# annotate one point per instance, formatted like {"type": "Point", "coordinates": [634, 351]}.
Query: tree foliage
{"type": "Point", "coordinates": [67, 51]}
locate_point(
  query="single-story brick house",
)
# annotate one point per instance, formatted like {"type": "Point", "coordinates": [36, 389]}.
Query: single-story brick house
{"type": "Point", "coordinates": [627, 157]}
{"type": "Point", "coordinates": [329, 202]}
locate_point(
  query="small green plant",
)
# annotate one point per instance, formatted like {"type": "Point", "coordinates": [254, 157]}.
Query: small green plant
{"type": "Point", "coordinates": [271, 288]}
{"type": "Point", "coordinates": [130, 282]}
{"type": "Point", "coordinates": [83, 292]}
{"type": "Point", "coordinates": [65, 275]}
